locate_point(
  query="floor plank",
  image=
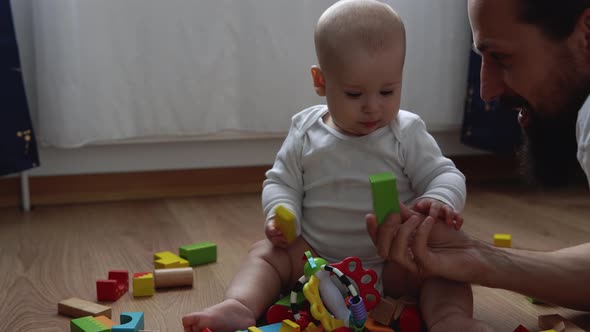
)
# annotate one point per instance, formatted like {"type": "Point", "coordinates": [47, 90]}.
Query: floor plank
{"type": "Point", "coordinates": [57, 252]}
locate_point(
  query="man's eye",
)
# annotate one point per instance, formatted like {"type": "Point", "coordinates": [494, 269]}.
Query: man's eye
{"type": "Point", "coordinates": [501, 59]}
{"type": "Point", "coordinates": [498, 57]}
{"type": "Point", "coordinates": [353, 94]}
{"type": "Point", "coordinates": [387, 92]}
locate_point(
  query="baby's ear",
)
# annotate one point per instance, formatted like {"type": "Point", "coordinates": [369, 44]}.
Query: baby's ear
{"type": "Point", "coordinates": [319, 82]}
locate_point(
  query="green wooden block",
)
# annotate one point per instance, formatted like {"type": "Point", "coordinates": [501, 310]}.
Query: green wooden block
{"type": "Point", "coordinates": [199, 253]}
{"type": "Point", "coordinates": [88, 324]}
{"type": "Point", "coordinates": [533, 300]}
{"type": "Point", "coordinates": [385, 199]}
{"type": "Point", "coordinates": [286, 301]}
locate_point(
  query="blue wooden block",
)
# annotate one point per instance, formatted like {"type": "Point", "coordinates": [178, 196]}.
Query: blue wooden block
{"type": "Point", "coordinates": [130, 322]}
{"type": "Point", "coordinates": [269, 328]}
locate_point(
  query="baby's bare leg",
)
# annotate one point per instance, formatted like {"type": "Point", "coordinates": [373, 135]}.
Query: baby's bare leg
{"type": "Point", "coordinates": [448, 306]}
{"type": "Point", "coordinates": [398, 281]}
{"type": "Point", "coordinates": [445, 305]}
{"type": "Point", "coordinates": [263, 274]}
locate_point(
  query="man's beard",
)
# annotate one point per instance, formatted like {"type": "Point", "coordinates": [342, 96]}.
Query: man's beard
{"type": "Point", "coordinates": [548, 155]}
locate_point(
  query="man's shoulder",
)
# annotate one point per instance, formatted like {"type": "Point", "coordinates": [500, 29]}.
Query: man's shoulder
{"type": "Point", "coordinates": [583, 124]}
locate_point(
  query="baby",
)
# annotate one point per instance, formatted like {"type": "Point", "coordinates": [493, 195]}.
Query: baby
{"type": "Point", "coordinates": [321, 174]}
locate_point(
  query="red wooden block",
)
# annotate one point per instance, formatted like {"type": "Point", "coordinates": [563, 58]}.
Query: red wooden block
{"type": "Point", "coordinates": [277, 313]}
{"type": "Point", "coordinates": [114, 287]}
{"type": "Point", "coordinates": [122, 277]}
{"type": "Point", "coordinates": [521, 328]}
{"type": "Point", "coordinates": [410, 320]}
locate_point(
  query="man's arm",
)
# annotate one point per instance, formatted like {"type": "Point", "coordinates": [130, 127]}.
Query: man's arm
{"type": "Point", "coordinates": [560, 277]}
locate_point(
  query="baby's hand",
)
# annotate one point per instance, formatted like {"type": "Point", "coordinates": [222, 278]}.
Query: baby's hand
{"type": "Point", "coordinates": [274, 235]}
{"type": "Point", "coordinates": [439, 210]}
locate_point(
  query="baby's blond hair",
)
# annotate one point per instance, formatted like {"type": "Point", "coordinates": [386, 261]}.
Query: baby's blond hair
{"type": "Point", "coordinates": [366, 25]}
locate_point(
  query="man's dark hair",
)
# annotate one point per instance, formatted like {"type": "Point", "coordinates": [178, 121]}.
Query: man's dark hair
{"type": "Point", "coordinates": [556, 18]}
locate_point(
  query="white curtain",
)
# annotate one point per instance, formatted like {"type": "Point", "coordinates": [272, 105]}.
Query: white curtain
{"type": "Point", "coordinates": [101, 70]}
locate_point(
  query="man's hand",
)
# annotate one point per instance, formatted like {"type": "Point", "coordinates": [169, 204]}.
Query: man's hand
{"type": "Point", "coordinates": [427, 248]}
{"type": "Point", "coordinates": [274, 235]}
{"type": "Point", "coordinates": [384, 235]}
{"type": "Point", "coordinates": [439, 211]}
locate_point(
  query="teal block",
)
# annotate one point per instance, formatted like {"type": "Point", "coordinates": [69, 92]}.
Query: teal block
{"type": "Point", "coordinates": [130, 322]}
{"type": "Point", "coordinates": [87, 324]}
{"type": "Point", "coordinates": [385, 198]}
{"type": "Point", "coordinates": [269, 328]}
{"type": "Point", "coordinates": [199, 253]}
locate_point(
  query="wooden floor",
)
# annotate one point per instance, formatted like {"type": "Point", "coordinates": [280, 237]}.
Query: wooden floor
{"type": "Point", "coordinates": [58, 252]}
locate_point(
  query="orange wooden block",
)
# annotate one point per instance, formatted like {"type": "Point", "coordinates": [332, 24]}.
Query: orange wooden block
{"type": "Point", "coordinates": [105, 321]}
{"type": "Point", "coordinates": [372, 326]}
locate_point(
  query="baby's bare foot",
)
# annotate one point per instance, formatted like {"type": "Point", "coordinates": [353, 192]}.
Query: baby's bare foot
{"type": "Point", "coordinates": [229, 315]}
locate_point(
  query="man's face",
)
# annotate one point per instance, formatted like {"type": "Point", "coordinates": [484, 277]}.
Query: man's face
{"type": "Point", "coordinates": [538, 76]}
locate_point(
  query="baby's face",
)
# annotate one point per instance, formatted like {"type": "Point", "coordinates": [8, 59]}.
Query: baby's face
{"type": "Point", "coordinates": [363, 92]}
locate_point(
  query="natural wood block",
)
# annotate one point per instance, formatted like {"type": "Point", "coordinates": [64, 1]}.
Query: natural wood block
{"type": "Point", "coordinates": [75, 307]}
{"type": "Point", "coordinates": [547, 322]}
{"type": "Point", "coordinates": [173, 277]}
{"type": "Point", "coordinates": [385, 310]}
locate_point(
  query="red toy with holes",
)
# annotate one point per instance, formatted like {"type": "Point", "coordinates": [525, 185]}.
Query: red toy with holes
{"type": "Point", "coordinates": [410, 320]}
{"type": "Point", "coordinates": [113, 288]}
{"type": "Point", "coordinates": [521, 328]}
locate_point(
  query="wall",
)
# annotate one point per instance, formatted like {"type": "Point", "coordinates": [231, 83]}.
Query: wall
{"type": "Point", "coordinates": [124, 157]}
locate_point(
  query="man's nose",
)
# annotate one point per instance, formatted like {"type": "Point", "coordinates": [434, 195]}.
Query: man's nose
{"type": "Point", "coordinates": [492, 83]}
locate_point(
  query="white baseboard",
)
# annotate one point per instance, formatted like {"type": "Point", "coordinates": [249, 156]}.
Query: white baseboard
{"type": "Point", "coordinates": [137, 157]}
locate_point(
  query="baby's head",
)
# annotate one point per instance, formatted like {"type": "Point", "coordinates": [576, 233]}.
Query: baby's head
{"type": "Point", "coordinates": [360, 45]}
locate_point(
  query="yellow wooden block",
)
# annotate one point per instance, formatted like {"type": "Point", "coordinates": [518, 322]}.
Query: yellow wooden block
{"type": "Point", "coordinates": [143, 284]}
{"type": "Point", "coordinates": [312, 328]}
{"type": "Point", "coordinates": [289, 326]}
{"type": "Point", "coordinates": [285, 222]}
{"type": "Point", "coordinates": [254, 329]}
{"type": "Point", "coordinates": [168, 260]}
{"type": "Point", "coordinates": [503, 240]}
